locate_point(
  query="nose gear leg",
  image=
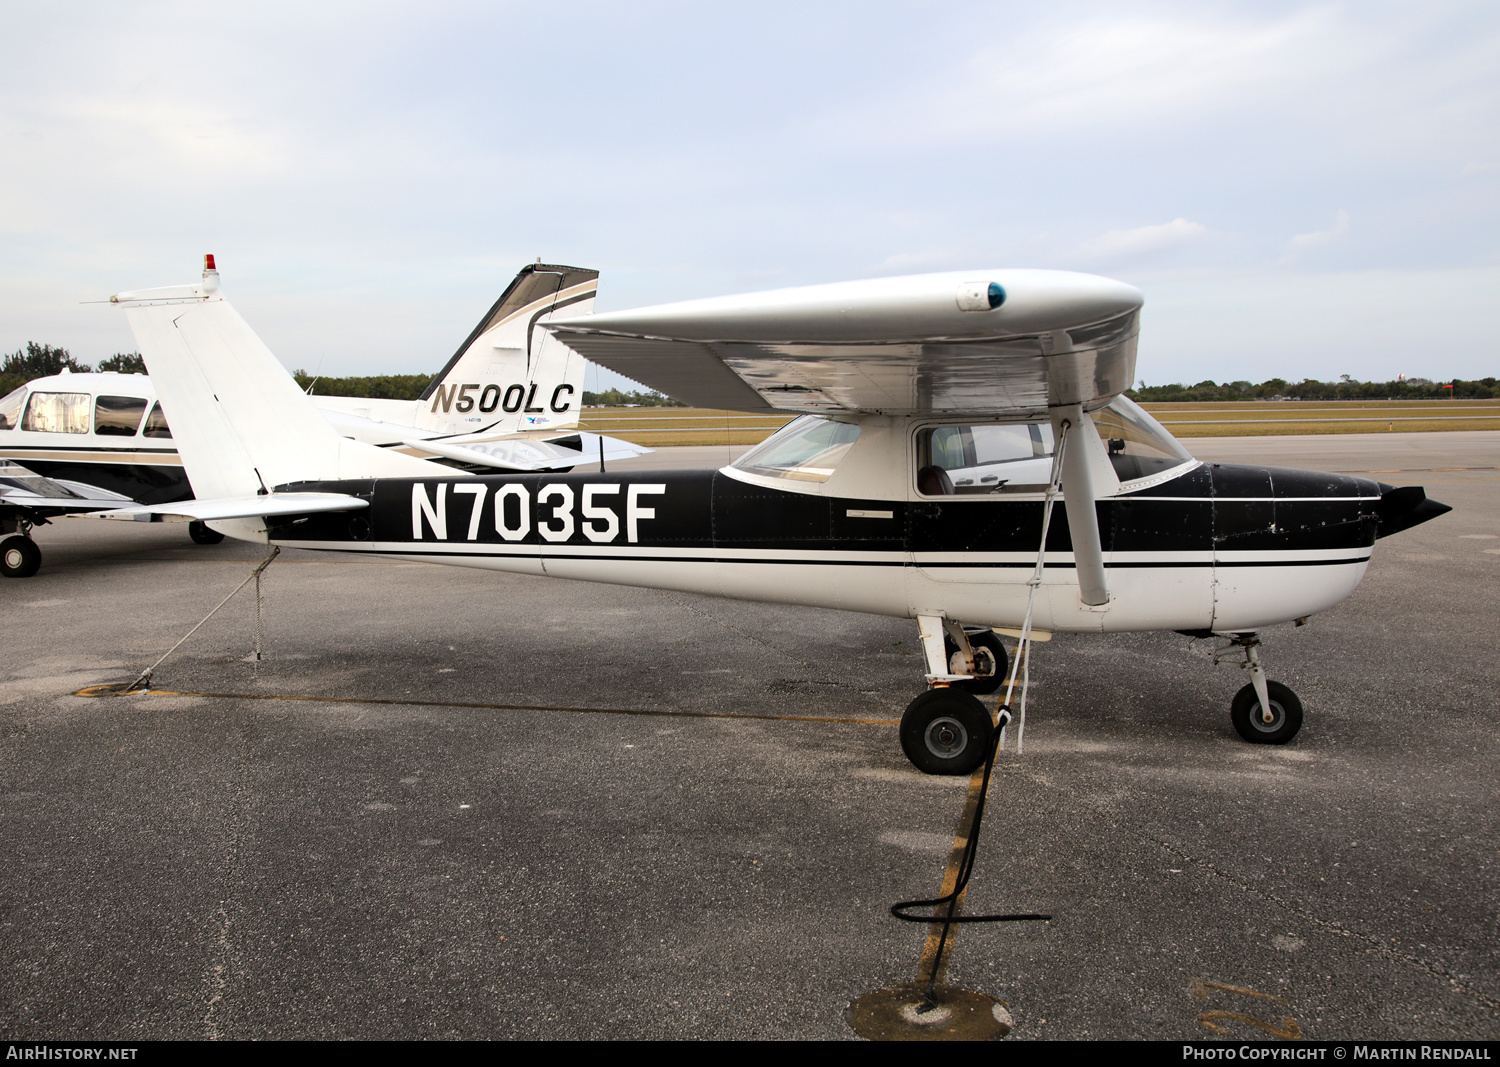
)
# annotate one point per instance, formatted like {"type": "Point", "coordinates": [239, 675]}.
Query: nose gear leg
{"type": "Point", "coordinates": [1263, 712]}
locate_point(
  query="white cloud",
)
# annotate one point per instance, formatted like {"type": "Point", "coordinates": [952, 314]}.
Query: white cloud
{"type": "Point", "coordinates": [1118, 244]}
{"type": "Point", "coordinates": [1120, 69]}
{"type": "Point", "coordinates": [1303, 243]}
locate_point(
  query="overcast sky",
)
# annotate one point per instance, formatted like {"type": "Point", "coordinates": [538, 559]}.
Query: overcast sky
{"type": "Point", "coordinates": [1302, 190]}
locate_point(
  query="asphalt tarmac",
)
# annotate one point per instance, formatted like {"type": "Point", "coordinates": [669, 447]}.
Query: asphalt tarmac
{"type": "Point", "coordinates": [541, 809]}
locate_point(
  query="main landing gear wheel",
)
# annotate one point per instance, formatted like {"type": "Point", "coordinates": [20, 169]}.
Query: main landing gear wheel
{"type": "Point", "coordinates": [1250, 723]}
{"type": "Point", "coordinates": [990, 663]}
{"type": "Point", "coordinates": [202, 535]}
{"type": "Point", "coordinates": [19, 557]}
{"type": "Point", "coordinates": [946, 731]}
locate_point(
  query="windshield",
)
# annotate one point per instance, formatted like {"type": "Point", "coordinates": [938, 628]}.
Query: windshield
{"type": "Point", "coordinates": [1138, 445]}
{"type": "Point", "coordinates": [10, 409]}
{"type": "Point", "coordinates": [805, 450]}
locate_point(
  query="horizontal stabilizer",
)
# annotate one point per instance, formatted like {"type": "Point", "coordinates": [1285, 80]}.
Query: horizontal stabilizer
{"type": "Point", "coordinates": [529, 453]}
{"type": "Point", "coordinates": [245, 507]}
{"type": "Point", "coordinates": [515, 455]}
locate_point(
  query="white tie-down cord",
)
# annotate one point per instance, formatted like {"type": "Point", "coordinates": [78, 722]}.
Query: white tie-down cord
{"type": "Point", "coordinates": [144, 678]}
{"type": "Point", "coordinates": [1022, 663]}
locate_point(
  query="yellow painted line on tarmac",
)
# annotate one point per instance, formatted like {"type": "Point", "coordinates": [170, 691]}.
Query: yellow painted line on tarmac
{"type": "Point", "coordinates": [929, 958]}
{"type": "Point", "coordinates": [110, 691]}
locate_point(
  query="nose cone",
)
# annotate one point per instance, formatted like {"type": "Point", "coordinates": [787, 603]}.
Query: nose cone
{"type": "Point", "coordinates": [1404, 507]}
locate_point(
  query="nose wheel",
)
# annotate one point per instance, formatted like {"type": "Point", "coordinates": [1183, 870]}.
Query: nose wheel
{"type": "Point", "coordinates": [1263, 712]}
{"type": "Point", "coordinates": [1273, 723]}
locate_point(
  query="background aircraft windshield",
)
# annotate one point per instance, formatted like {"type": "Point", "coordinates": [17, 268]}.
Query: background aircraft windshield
{"type": "Point", "coordinates": [10, 408]}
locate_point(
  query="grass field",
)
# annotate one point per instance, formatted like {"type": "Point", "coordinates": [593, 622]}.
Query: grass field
{"type": "Point", "coordinates": [700, 426]}
{"type": "Point", "coordinates": [1267, 418]}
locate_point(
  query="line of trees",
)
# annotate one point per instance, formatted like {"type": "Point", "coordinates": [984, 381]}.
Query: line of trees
{"type": "Point", "coordinates": [613, 398]}
{"type": "Point", "coordinates": [1346, 388]}
{"type": "Point", "coordinates": [41, 361]}
{"type": "Point", "coordinates": [38, 361]}
{"type": "Point", "coordinates": [379, 386]}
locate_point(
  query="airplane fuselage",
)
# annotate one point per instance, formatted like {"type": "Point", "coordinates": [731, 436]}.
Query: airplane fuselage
{"type": "Point", "coordinates": [1218, 547]}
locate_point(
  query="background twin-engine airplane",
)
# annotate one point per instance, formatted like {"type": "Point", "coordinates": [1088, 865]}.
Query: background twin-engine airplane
{"type": "Point", "coordinates": [942, 415]}
{"type": "Point", "coordinates": [509, 399]}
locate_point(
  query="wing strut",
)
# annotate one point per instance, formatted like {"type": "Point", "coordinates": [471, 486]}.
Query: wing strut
{"type": "Point", "coordinates": [1078, 497]}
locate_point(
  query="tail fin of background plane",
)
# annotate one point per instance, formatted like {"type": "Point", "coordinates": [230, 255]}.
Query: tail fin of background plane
{"type": "Point", "coordinates": [240, 423]}
{"type": "Point", "coordinates": [511, 374]}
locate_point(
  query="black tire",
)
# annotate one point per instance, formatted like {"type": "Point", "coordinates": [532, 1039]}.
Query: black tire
{"type": "Point", "coordinates": [990, 662]}
{"type": "Point", "coordinates": [1286, 711]}
{"type": "Point", "coordinates": [946, 731]}
{"type": "Point", "coordinates": [202, 535]}
{"type": "Point", "coordinates": [19, 557]}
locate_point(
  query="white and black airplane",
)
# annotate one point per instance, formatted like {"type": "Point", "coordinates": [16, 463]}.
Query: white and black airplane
{"type": "Point", "coordinates": [941, 414]}
{"type": "Point", "coordinates": [509, 399]}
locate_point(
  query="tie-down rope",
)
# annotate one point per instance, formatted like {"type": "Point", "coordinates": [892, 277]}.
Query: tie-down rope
{"type": "Point", "coordinates": [144, 678]}
{"type": "Point", "coordinates": [1002, 719]}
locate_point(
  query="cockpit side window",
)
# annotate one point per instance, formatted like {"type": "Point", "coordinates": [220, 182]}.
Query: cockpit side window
{"type": "Point", "coordinates": [10, 409]}
{"type": "Point", "coordinates": [808, 449]}
{"type": "Point", "coordinates": [57, 413]}
{"type": "Point", "coordinates": [984, 459]}
{"type": "Point", "coordinates": [118, 416]}
{"type": "Point", "coordinates": [156, 423]}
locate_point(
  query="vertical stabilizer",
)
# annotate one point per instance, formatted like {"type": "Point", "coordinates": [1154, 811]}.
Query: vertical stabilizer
{"type": "Point", "coordinates": [240, 423]}
{"type": "Point", "coordinates": [511, 373]}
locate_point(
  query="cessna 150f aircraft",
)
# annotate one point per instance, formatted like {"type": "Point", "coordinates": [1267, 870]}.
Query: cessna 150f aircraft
{"type": "Point", "coordinates": [941, 412]}
{"type": "Point", "coordinates": [509, 399]}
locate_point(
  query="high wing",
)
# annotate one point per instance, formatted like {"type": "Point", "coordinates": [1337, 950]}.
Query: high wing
{"type": "Point", "coordinates": [1009, 342]}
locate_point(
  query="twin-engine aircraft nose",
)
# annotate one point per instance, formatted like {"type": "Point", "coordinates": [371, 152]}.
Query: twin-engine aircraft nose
{"type": "Point", "coordinates": [1403, 507]}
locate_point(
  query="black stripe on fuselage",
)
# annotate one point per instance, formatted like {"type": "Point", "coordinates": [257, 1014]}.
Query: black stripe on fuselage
{"type": "Point", "coordinates": [1167, 562]}
{"type": "Point", "coordinates": [1205, 510]}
